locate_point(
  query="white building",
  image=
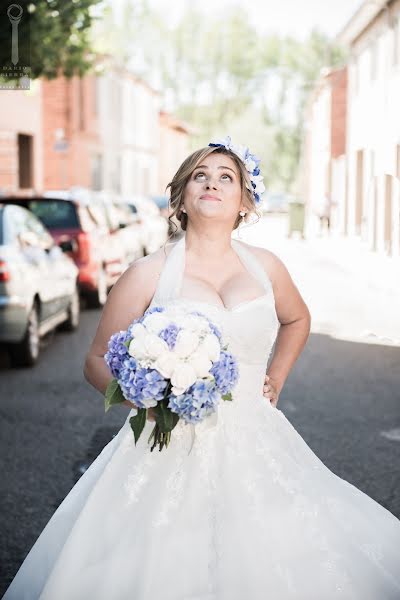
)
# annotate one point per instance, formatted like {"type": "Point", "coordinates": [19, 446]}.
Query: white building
{"type": "Point", "coordinates": [373, 131]}
{"type": "Point", "coordinates": [129, 130]}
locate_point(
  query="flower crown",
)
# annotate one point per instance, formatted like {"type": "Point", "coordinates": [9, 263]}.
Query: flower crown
{"type": "Point", "coordinates": [251, 162]}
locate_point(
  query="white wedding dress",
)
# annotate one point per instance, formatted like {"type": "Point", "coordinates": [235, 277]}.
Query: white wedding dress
{"type": "Point", "coordinates": [250, 513]}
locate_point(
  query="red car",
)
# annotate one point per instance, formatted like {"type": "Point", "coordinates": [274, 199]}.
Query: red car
{"type": "Point", "coordinates": [83, 233]}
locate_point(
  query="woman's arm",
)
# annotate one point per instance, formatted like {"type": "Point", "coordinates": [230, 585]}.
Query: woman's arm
{"type": "Point", "coordinates": [127, 300]}
{"type": "Point", "coordinates": [295, 320]}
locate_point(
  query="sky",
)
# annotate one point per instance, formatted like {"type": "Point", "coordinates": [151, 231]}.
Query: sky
{"type": "Point", "coordinates": [285, 17]}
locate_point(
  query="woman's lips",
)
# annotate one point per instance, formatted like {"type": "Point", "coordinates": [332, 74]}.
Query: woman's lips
{"type": "Point", "coordinates": [209, 197]}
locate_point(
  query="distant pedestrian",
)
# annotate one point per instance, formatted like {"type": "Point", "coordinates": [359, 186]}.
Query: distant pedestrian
{"type": "Point", "coordinates": [324, 213]}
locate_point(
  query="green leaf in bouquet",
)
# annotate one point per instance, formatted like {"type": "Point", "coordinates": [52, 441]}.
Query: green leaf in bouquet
{"type": "Point", "coordinates": [138, 422]}
{"type": "Point", "coordinates": [113, 394]}
{"type": "Point", "coordinates": [165, 418]}
{"type": "Point", "coordinates": [127, 343]}
{"type": "Point", "coordinates": [227, 396]}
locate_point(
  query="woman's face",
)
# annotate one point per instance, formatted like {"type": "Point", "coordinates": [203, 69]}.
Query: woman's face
{"type": "Point", "coordinates": [214, 189]}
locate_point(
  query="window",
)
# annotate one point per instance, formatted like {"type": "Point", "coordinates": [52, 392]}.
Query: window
{"type": "Point", "coordinates": [44, 238]}
{"type": "Point", "coordinates": [25, 161]}
{"type": "Point", "coordinates": [55, 213]}
{"type": "Point", "coordinates": [13, 223]}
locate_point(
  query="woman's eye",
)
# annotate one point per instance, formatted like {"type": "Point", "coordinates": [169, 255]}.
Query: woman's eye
{"type": "Point", "coordinates": [223, 175]}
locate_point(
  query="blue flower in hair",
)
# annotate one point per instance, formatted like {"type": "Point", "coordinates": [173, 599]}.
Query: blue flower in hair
{"type": "Point", "coordinates": [251, 162]}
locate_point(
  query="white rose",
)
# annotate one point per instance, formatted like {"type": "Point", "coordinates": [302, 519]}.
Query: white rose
{"type": "Point", "coordinates": [166, 364]}
{"type": "Point", "coordinates": [137, 330]}
{"type": "Point", "coordinates": [136, 348]}
{"type": "Point", "coordinates": [260, 187]}
{"type": "Point", "coordinates": [186, 343]}
{"type": "Point", "coordinates": [155, 322]}
{"type": "Point", "coordinates": [183, 376]}
{"type": "Point", "coordinates": [240, 150]}
{"type": "Point", "coordinates": [250, 164]}
{"type": "Point", "coordinates": [177, 391]}
{"type": "Point", "coordinates": [200, 363]}
{"type": "Point", "coordinates": [149, 346]}
{"type": "Point", "coordinates": [194, 323]}
{"type": "Point", "coordinates": [211, 347]}
{"type": "Point", "coordinates": [154, 346]}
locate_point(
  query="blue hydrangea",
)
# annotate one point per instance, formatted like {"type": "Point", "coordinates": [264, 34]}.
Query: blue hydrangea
{"type": "Point", "coordinates": [225, 371]}
{"type": "Point", "coordinates": [117, 352]}
{"type": "Point", "coordinates": [141, 384]}
{"type": "Point", "coordinates": [199, 400]}
{"type": "Point", "coordinates": [154, 309]}
{"type": "Point", "coordinates": [214, 329]}
{"type": "Point", "coordinates": [169, 335]}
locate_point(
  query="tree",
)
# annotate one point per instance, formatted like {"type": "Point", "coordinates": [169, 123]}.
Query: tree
{"type": "Point", "coordinates": [222, 76]}
{"type": "Point", "coordinates": [53, 37]}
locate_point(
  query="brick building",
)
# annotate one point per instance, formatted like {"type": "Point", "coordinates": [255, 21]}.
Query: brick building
{"type": "Point", "coordinates": [325, 163]}
{"type": "Point", "coordinates": [103, 132]}
{"type": "Point", "coordinates": [21, 140]}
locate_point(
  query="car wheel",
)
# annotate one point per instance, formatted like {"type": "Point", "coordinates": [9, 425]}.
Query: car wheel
{"type": "Point", "coordinates": [98, 298]}
{"type": "Point", "coordinates": [72, 323]}
{"type": "Point", "coordinates": [26, 353]}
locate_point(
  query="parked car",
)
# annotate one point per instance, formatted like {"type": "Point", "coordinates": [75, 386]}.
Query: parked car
{"type": "Point", "coordinates": [123, 225]}
{"type": "Point", "coordinates": [154, 225]}
{"type": "Point", "coordinates": [163, 204]}
{"type": "Point", "coordinates": [84, 233]}
{"type": "Point", "coordinates": [38, 285]}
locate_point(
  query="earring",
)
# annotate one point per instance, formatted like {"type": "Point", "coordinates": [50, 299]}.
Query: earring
{"type": "Point", "coordinates": [184, 210]}
{"type": "Point", "coordinates": [242, 213]}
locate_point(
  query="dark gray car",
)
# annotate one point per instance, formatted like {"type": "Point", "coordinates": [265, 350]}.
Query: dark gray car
{"type": "Point", "coordinates": [38, 285]}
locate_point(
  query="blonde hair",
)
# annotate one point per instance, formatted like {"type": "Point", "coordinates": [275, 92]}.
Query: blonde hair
{"type": "Point", "coordinates": [184, 173]}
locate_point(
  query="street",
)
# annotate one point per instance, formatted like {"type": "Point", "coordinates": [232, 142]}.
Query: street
{"type": "Point", "coordinates": [342, 396]}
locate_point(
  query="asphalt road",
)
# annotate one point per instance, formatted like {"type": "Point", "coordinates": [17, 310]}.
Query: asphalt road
{"type": "Point", "coordinates": [341, 396]}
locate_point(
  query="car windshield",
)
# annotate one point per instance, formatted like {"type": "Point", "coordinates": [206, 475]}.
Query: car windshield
{"type": "Point", "coordinates": [55, 214]}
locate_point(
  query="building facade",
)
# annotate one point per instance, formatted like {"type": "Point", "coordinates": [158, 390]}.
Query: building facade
{"type": "Point", "coordinates": [103, 131]}
{"type": "Point", "coordinates": [21, 140]}
{"type": "Point", "coordinates": [174, 147]}
{"type": "Point", "coordinates": [326, 146]}
{"type": "Point", "coordinates": [373, 131]}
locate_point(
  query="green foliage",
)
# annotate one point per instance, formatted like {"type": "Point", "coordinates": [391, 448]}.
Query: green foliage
{"type": "Point", "coordinates": [54, 37]}
{"type": "Point", "coordinates": [221, 76]}
{"type": "Point", "coordinates": [113, 395]}
{"type": "Point", "coordinates": [138, 423]}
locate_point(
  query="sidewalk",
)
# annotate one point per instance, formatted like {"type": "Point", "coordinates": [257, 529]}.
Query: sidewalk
{"type": "Point", "coordinates": [353, 293]}
{"type": "Point", "coordinates": [378, 271]}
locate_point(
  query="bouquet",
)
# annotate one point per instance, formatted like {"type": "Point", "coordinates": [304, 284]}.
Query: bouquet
{"type": "Point", "coordinates": [171, 360]}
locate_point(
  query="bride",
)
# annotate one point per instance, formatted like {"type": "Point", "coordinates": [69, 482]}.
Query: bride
{"type": "Point", "coordinates": [251, 512]}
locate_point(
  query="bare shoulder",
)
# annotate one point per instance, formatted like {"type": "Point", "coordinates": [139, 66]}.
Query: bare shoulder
{"type": "Point", "coordinates": [273, 265]}
{"type": "Point", "coordinates": [147, 269]}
